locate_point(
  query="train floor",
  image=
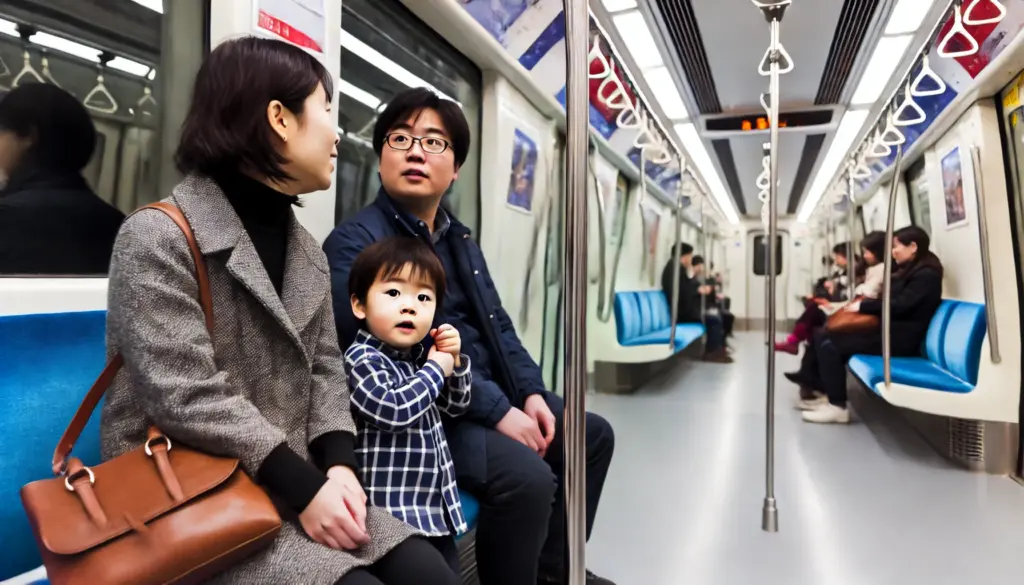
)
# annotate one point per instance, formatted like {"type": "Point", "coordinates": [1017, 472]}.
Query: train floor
{"type": "Point", "coordinates": [868, 503]}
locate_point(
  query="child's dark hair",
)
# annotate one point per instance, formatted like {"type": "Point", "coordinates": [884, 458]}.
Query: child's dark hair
{"type": "Point", "coordinates": [386, 259]}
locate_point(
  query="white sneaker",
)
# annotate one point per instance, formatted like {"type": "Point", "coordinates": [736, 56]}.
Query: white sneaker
{"type": "Point", "coordinates": [827, 414]}
{"type": "Point", "coordinates": [811, 403]}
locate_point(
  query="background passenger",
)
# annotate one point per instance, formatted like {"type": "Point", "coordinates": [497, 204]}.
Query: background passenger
{"type": "Point", "coordinates": [713, 300]}
{"type": "Point", "coordinates": [872, 249]}
{"type": "Point", "coordinates": [690, 291]}
{"type": "Point", "coordinates": [268, 385]}
{"type": "Point", "coordinates": [51, 222]}
{"type": "Point", "coordinates": [399, 389]}
{"type": "Point", "coordinates": [915, 296]}
{"type": "Point", "coordinates": [508, 448]}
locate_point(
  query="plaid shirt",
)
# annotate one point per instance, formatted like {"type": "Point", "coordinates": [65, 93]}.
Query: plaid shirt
{"type": "Point", "coordinates": [403, 455]}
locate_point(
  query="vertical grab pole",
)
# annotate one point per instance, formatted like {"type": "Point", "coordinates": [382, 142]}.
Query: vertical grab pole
{"type": "Point", "coordinates": [851, 268]}
{"type": "Point", "coordinates": [675, 257]}
{"type": "Point", "coordinates": [890, 220]}
{"type": "Point", "coordinates": [577, 27]}
{"type": "Point", "coordinates": [704, 252]}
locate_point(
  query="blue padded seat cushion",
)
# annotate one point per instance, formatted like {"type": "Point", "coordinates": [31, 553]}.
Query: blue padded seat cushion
{"type": "Point", "coordinates": [627, 316]}
{"type": "Point", "coordinates": [470, 509]}
{"type": "Point", "coordinates": [909, 371]}
{"type": "Point", "coordinates": [686, 333]}
{"type": "Point", "coordinates": [49, 362]}
{"type": "Point", "coordinates": [644, 318]}
{"type": "Point", "coordinates": [965, 333]}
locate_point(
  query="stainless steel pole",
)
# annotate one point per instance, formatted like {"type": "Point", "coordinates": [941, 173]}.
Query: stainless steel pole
{"type": "Point", "coordinates": [851, 268]}
{"type": "Point", "coordinates": [890, 222]}
{"type": "Point", "coordinates": [577, 28]}
{"type": "Point", "coordinates": [704, 253]}
{"type": "Point", "coordinates": [770, 511]}
{"type": "Point", "coordinates": [675, 258]}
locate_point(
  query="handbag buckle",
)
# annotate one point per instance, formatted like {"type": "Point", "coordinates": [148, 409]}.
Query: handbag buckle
{"type": "Point", "coordinates": [67, 479]}
{"type": "Point", "coordinates": [148, 448]}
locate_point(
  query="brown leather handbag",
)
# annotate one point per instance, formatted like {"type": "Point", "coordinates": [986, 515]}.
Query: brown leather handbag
{"type": "Point", "coordinates": [154, 515]}
{"type": "Point", "coordinates": [852, 322]}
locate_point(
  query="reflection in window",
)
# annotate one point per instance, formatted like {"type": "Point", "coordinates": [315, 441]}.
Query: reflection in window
{"type": "Point", "coordinates": [110, 66]}
{"type": "Point", "coordinates": [384, 50]}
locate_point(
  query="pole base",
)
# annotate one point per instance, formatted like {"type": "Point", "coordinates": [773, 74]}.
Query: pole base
{"type": "Point", "coordinates": [769, 516]}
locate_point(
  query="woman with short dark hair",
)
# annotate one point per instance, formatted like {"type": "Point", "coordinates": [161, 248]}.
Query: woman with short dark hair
{"type": "Point", "coordinates": [267, 386]}
{"type": "Point", "coordinates": [51, 221]}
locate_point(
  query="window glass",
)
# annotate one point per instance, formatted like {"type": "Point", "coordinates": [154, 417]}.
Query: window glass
{"type": "Point", "coordinates": [385, 50]}
{"type": "Point", "coordinates": [761, 255]}
{"type": "Point", "coordinates": [917, 187]}
{"type": "Point", "coordinates": [56, 220]}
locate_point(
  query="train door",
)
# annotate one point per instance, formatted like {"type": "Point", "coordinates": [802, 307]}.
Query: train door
{"type": "Point", "coordinates": [757, 261]}
{"type": "Point", "coordinates": [1013, 151]}
{"type": "Point", "coordinates": [553, 340]}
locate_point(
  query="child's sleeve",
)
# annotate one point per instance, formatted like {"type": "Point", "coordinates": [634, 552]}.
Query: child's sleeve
{"type": "Point", "coordinates": [454, 401]}
{"type": "Point", "coordinates": [380, 398]}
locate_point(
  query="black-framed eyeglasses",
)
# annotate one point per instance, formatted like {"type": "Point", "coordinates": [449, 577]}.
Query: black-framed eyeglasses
{"type": "Point", "coordinates": [429, 144]}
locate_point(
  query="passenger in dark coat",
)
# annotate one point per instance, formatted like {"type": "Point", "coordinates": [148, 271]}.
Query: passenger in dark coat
{"type": "Point", "coordinates": [915, 295]}
{"type": "Point", "coordinates": [51, 222]}
{"type": "Point", "coordinates": [689, 305]}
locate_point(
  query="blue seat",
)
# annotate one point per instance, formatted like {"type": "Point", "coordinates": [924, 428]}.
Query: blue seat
{"type": "Point", "coordinates": [470, 509]}
{"type": "Point", "coordinates": [951, 356]}
{"type": "Point", "coordinates": [49, 362]}
{"type": "Point", "coordinates": [643, 318]}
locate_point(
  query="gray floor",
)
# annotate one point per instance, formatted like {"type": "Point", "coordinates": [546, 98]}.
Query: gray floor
{"type": "Point", "coordinates": [864, 504]}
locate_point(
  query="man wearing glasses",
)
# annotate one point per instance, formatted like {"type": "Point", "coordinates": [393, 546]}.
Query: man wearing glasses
{"type": "Point", "coordinates": [508, 449]}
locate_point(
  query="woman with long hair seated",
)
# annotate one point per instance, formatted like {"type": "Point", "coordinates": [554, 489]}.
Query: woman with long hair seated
{"type": "Point", "coordinates": [265, 384]}
{"type": "Point", "coordinates": [915, 295]}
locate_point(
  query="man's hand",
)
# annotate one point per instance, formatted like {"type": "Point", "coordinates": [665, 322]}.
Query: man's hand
{"type": "Point", "coordinates": [448, 340]}
{"type": "Point", "coordinates": [517, 425]}
{"type": "Point", "coordinates": [537, 409]}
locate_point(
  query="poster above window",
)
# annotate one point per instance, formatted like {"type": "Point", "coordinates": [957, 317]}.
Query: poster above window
{"type": "Point", "coordinates": [300, 22]}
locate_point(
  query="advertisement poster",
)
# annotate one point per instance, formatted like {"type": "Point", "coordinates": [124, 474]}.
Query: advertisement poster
{"type": "Point", "coordinates": [652, 221]}
{"type": "Point", "coordinates": [300, 22]}
{"type": "Point", "coordinates": [524, 170]}
{"type": "Point", "coordinates": [496, 16]}
{"type": "Point", "coordinates": [953, 189]}
{"type": "Point", "coordinates": [991, 37]}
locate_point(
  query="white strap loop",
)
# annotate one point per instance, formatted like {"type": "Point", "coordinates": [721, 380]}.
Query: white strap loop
{"type": "Point", "coordinates": [927, 73]}
{"type": "Point", "coordinates": [957, 28]}
{"type": "Point", "coordinates": [908, 103]}
{"type": "Point", "coordinates": [1000, 9]}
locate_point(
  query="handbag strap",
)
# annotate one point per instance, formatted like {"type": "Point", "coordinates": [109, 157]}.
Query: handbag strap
{"type": "Point", "coordinates": [92, 398]}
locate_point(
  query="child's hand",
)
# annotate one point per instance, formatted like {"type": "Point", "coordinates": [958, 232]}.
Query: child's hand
{"type": "Point", "coordinates": [443, 359]}
{"type": "Point", "coordinates": [448, 340]}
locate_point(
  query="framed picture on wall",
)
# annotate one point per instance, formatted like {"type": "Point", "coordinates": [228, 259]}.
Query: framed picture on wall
{"type": "Point", "coordinates": [953, 189]}
{"type": "Point", "coordinates": [524, 173]}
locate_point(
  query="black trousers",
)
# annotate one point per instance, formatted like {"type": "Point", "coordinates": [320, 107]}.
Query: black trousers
{"type": "Point", "coordinates": [522, 526]}
{"type": "Point", "coordinates": [824, 362]}
{"type": "Point", "coordinates": [728, 319]}
{"type": "Point", "coordinates": [449, 549]}
{"type": "Point", "coordinates": [715, 329]}
{"type": "Point", "coordinates": [414, 562]}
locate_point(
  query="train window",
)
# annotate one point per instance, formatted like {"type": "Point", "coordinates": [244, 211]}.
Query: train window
{"type": "Point", "coordinates": [384, 50]}
{"type": "Point", "coordinates": [105, 58]}
{"type": "Point", "coordinates": [917, 187]}
{"type": "Point", "coordinates": [761, 256]}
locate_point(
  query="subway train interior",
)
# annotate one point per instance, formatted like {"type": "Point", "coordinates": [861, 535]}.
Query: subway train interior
{"type": "Point", "coordinates": [888, 115]}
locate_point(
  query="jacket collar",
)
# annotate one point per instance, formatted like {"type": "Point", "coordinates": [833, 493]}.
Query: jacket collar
{"type": "Point", "coordinates": [218, 229]}
{"type": "Point", "coordinates": [406, 222]}
{"type": "Point", "coordinates": [412, 354]}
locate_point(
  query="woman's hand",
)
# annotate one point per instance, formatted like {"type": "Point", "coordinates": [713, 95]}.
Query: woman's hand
{"type": "Point", "coordinates": [337, 515]}
{"type": "Point", "coordinates": [853, 307]}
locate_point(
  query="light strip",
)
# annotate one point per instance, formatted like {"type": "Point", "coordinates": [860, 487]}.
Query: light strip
{"type": "Point", "coordinates": [638, 39]}
{"type": "Point", "coordinates": [8, 28]}
{"type": "Point", "coordinates": [699, 156]}
{"type": "Point", "coordinates": [360, 95]}
{"type": "Point", "coordinates": [907, 16]}
{"type": "Point", "coordinates": [848, 130]}
{"type": "Point", "coordinates": [129, 66]}
{"type": "Point", "coordinates": [619, 5]}
{"type": "Point", "coordinates": [378, 60]}
{"type": "Point", "coordinates": [887, 56]}
{"type": "Point", "coordinates": [154, 5]}
{"type": "Point", "coordinates": [665, 92]}
{"type": "Point", "coordinates": [66, 46]}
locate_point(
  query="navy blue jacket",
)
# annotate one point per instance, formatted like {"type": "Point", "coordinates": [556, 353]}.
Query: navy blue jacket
{"type": "Point", "coordinates": [513, 374]}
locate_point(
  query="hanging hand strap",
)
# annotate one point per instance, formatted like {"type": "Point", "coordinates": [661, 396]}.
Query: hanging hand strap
{"type": "Point", "coordinates": [74, 430]}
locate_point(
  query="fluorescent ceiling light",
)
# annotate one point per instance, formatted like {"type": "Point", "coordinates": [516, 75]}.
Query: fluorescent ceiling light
{"type": "Point", "coordinates": [154, 5]}
{"type": "Point", "coordinates": [848, 129]}
{"type": "Point", "coordinates": [66, 46]}
{"type": "Point", "coordinates": [360, 95]}
{"type": "Point", "coordinates": [665, 92]}
{"type": "Point", "coordinates": [699, 156]}
{"type": "Point", "coordinates": [152, 75]}
{"type": "Point", "coordinates": [638, 39]}
{"type": "Point", "coordinates": [8, 28]}
{"type": "Point", "coordinates": [129, 66]}
{"type": "Point", "coordinates": [375, 58]}
{"type": "Point", "coordinates": [888, 54]}
{"type": "Point", "coordinates": [907, 16]}
{"type": "Point", "coordinates": [619, 5]}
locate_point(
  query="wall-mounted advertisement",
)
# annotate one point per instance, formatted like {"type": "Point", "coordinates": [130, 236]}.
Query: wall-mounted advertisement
{"type": "Point", "coordinates": [953, 189]}
{"type": "Point", "coordinates": [651, 221]}
{"type": "Point", "coordinates": [524, 173]}
{"type": "Point", "coordinates": [300, 22]}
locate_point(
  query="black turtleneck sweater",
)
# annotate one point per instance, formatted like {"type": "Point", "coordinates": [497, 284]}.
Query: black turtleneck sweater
{"type": "Point", "coordinates": [266, 216]}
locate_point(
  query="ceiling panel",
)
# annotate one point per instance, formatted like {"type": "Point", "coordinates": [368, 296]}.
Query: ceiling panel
{"type": "Point", "coordinates": [747, 153]}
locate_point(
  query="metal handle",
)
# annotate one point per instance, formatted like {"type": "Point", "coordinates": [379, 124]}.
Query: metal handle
{"type": "Point", "coordinates": [986, 261]}
{"type": "Point", "coordinates": [577, 106]}
{"type": "Point", "coordinates": [704, 252]}
{"type": "Point", "coordinates": [675, 261]}
{"type": "Point", "coordinates": [887, 279]}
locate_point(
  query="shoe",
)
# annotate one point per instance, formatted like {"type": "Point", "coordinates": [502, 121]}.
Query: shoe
{"type": "Point", "coordinates": [718, 357]}
{"type": "Point", "coordinates": [591, 579]}
{"type": "Point", "coordinates": [828, 414]}
{"type": "Point", "coordinates": [787, 347]}
{"type": "Point", "coordinates": [811, 403]}
{"type": "Point", "coordinates": [805, 382]}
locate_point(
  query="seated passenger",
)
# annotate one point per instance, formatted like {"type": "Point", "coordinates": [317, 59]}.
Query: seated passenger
{"type": "Point", "coordinates": [399, 390]}
{"type": "Point", "coordinates": [267, 385]}
{"type": "Point", "coordinates": [689, 309]}
{"type": "Point", "coordinates": [714, 301]}
{"type": "Point", "coordinates": [872, 249]}
{"type": "Point", "coordinates": [816, 306]}
{"type": "Point", "coordinates": [915, 296]}
{"type": "Point", "coordinates": [51, 221]}
{"type": "Point", "coordinates": [508, 447]}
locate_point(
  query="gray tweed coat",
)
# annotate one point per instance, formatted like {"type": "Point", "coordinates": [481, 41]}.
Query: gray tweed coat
{"type": "Point", "coordinates": [271, 372]}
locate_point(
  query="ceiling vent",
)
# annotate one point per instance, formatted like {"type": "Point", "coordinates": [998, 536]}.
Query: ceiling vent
{"type": "Point", "coordinates": [681, 23]}
{"type": "Point", "coordinates": [854, 21]}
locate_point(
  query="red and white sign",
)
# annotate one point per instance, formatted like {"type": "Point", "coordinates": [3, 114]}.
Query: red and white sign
{"type": "Point", "coordinates": [300, 22]}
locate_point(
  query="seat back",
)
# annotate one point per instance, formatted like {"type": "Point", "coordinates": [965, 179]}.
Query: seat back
{"type": "Point", "coordinates": [627, 316]}
{"type": "Point", "coordinates": [933, 341]}
{"type": "Point", "coordinates": [662, 313]}
{"type": "Point", "coordinates": [49, 363]}
{"type": "Point", "coordinates": [965, 333]}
